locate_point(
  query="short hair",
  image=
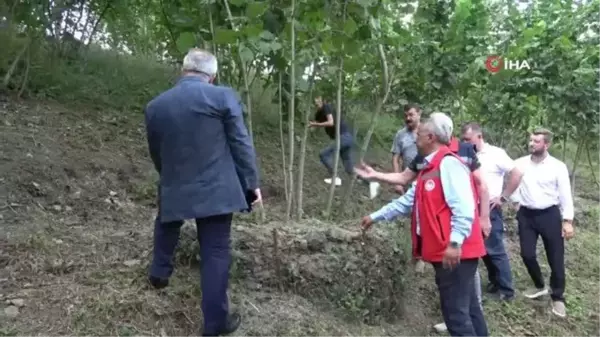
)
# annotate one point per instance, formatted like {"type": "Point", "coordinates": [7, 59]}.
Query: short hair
{"type": "Point", "coordinates": [407, 107]}
{"type": "Point", "coordinates": [544, 132]}
{"type": "Point", "coordinates": [441, 126]}
{"type": "Point", "coordinates": [200, 61]}
{"type": "Point", "coordinates": [473, 126]}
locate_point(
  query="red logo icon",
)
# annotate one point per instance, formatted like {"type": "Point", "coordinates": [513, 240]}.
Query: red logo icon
{"type": "Point", "coordinates": [494, 63]}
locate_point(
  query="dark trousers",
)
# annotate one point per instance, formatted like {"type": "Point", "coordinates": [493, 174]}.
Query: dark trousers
{"type": "Point", "coordinates": [546, 223]}
{"type": "Point", "coordinates": [214, 235]}
{"type": "Point", "coordinates": [461, 310]}
{"type": "Point", "coordinates": [496, 261]}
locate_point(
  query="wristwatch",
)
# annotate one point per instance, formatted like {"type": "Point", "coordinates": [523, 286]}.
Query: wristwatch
{"type": "Point", "coordinates": [454, 244]}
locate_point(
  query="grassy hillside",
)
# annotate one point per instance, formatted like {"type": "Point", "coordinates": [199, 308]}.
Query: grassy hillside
{"type": "Point", "coordinates": [76, 216]}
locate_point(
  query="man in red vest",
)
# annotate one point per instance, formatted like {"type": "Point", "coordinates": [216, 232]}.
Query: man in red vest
{"type": "Point", "coordinates": [444, 208]}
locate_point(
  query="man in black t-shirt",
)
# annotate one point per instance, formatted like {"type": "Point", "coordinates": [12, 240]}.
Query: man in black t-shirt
{"type": "Point", "coordinates": [324, 118]}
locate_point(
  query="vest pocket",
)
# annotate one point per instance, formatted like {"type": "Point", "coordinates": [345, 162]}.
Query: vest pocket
{"type": "Point", "coordinates": [441, 228]}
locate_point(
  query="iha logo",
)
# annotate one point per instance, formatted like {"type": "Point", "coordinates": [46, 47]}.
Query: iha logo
{"type": "Point", "coordinates": [495, 63]}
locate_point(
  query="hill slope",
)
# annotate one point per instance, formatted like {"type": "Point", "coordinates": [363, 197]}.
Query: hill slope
{"type": "Point", "coordinates": [76, 209]}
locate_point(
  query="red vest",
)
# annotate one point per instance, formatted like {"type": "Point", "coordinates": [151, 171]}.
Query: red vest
{"type": "Point", "coordinates": [434, 215]}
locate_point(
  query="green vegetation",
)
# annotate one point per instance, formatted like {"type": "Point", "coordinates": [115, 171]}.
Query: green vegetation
{"type": "Point", "coordinates": [77, 188]}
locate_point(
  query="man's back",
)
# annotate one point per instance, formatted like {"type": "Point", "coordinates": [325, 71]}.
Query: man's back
{"type": "Point", "coordinates": [197, 135]}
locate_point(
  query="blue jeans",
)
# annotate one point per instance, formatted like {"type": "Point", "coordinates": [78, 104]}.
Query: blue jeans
{"type": "Point", "coordinates": [346, 146]}
{"type": "Point", "coordinates": [496, 260]}
{"type": "Point", "coordinates": [462, 312]}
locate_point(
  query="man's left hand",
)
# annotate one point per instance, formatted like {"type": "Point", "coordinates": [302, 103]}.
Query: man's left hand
{"type": "Point", "coordinates": [495, 202]}
{"type": "Point", "coordinates": [451, 257]}
{"type": "Point", "coordinates": [486, 226]}
{"type": "Point", "coordinates": [567, 230]}
{"type": "Point", "coordinates": [312, 123]}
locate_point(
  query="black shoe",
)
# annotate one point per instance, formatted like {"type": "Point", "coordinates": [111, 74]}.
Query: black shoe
{"type": "Point", "coordinates": [157, 282]}
{"type": "Point", "coordinates": [502, 297]}
{"type": "Point", "coordinates": [233, 323]}
{"type": "Point", "coordinates": [491, 288]}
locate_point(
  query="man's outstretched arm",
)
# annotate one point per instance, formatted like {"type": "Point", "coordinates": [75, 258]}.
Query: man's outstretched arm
{"type": "Point", "coordinates": [398, 207]}
{"type": "Point", "coordinates": [395, 178]}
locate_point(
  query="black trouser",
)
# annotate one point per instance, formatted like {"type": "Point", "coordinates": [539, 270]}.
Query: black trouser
{"type": "Point", "coordinates": [546, 223]}
{"type": "Point", "coordinates": [458, 298]}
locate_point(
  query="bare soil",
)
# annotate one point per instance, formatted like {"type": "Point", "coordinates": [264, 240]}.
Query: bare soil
{"type": "Point", "coordinates": [76, 217]}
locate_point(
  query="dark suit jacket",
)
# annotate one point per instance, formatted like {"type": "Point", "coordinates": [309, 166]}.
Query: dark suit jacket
{"type": "Point", "coordinates": [202, 150]}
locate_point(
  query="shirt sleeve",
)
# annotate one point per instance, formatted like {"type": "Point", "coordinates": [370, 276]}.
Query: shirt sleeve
{"type": "Point", "coordinates": [153, 139]}
{"type": "Point", "coordinates": [455, 178]}
{"type": "Point", "coordinates": [400, 206]}
{"type": "Point", "coordinates": [397, 144]}
{"type": "Point", "coordinates": [504, 162]}
{"type": "Point", "coordinates": [516, 196]}
{"type": "Point", "coordinates": [564, 192]}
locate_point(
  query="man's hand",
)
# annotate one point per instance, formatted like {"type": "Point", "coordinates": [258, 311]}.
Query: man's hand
{"type": "Point", "coordinates": [486, 226]}
{"type": "Point", "coordinates": [451, 257]}
{"type": "Point", "coordinates": [365, 171]}
{"type": "Point", "coordinates": [399, 189]}
{"type": "Point", "coordinates": [258, 199]}
{"type": "Point", "coordinates": [312, 123]}
{"type": "Point", "coordinates": [567, 229]}
{"type": "Point", "coordinates": [495, 202]}
{"type": "Point", "coordinates": [366, 223]}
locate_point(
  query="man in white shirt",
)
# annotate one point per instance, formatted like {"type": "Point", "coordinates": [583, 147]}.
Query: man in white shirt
{"type": "Point", "coordinates": [546, 210]}
{"type": "Point", "coordinates": [495, 165]}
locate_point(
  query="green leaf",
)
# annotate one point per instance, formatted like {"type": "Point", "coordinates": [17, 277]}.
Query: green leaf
{"type": "Point", "coordinates": [275, 46]}
{"type": "Point", "coordinates": [246, 54]}
{"type": "Point", "coordinates": [264, 47]}
{"type": "Point", "coordinates": [237, 3]}
{"type": "Point", "coordinates": [225, 36]}
{"type": "Point", "coordinates": [185, 42]}
{"type": "Point", "coordinates": [255, 9]}
{"type": "Point", "coordinates": [365, 3]}
{"type": "Point", "coordinates": [253, 30]}
{"type": "Point", "coordinates": [266, 35]}
{"type": "Point", "coordinates": [350, 26]}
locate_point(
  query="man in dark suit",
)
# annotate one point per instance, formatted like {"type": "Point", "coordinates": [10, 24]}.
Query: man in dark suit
{"type": "Point", "coordinates": [207, 165]}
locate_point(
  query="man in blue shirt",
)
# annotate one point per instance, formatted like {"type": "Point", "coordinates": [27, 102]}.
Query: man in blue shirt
{"type": "Point", "coordinates": [467, 153]}
{"type": "Point", "coordinates": [455, 275]}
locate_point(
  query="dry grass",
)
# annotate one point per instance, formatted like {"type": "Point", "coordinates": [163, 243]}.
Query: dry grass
{"type": "Point", "coordinates": [76, 213]}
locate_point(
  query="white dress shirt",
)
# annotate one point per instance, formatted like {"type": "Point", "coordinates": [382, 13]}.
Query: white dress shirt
{"type": "Point", "coordinates": [544, 184]}
{"type": "Point", "coordinates": [495, 163]}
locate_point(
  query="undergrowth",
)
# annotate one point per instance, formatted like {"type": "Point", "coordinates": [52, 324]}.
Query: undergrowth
{"type": "Point", "coordinates": [78, 192]}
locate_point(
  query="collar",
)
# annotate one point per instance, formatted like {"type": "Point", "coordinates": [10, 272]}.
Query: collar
{"type": "Point", "coordinates": [194, 78]}
{"type": "Point", "coordinates": [484, 147]}
{"type": "Point", "coordinates": [541, 161]}
{"type": "Point", "coordinates": [430, 156]}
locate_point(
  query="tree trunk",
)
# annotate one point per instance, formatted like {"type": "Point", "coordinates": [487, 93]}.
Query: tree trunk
{"type": "Point", "coordinates": [307, 113]}
{"type": "Point", "coordinates": [283, 161]}
{"type": "Point", "coordinates": [291, 142]}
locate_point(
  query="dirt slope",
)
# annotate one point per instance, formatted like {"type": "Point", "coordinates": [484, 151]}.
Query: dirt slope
{"type": "Point", "coordinates": [76, 192]}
